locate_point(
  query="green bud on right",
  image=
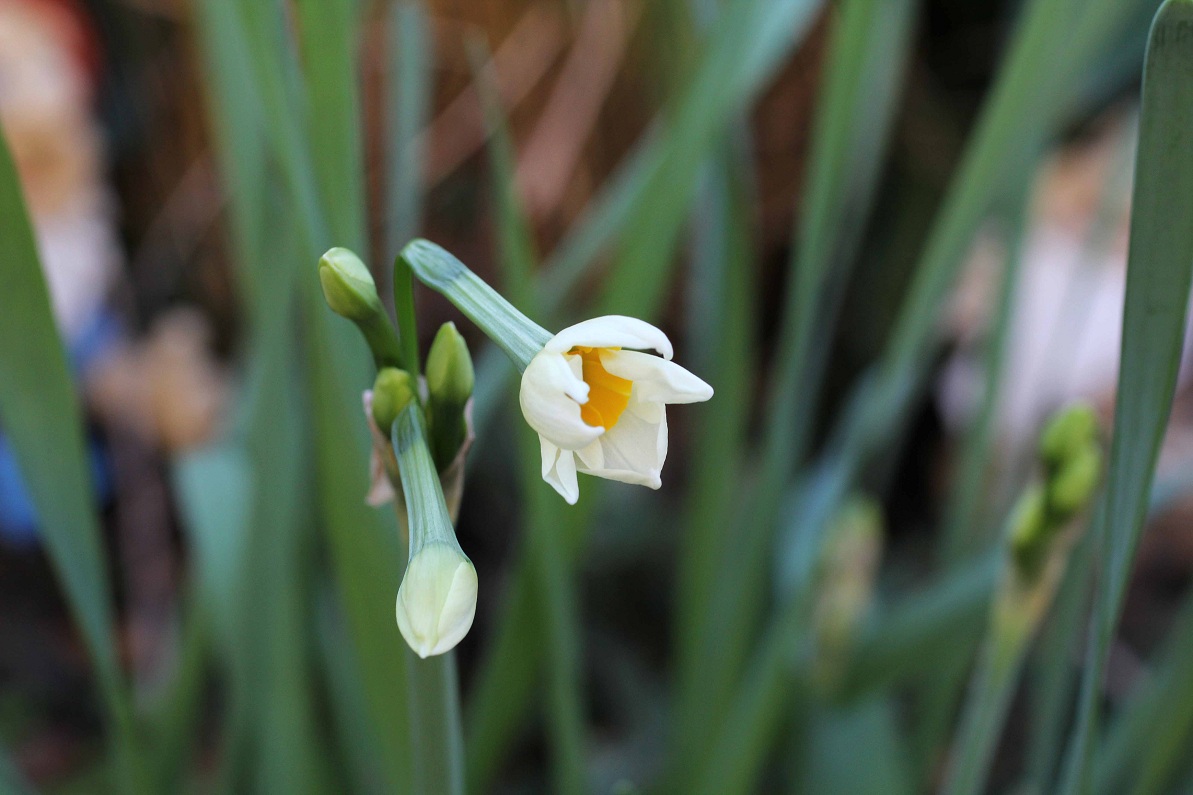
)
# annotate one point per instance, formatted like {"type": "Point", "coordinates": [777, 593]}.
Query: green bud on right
{"type": "Point", "coordinates": [392, 391]}
{"type": "Point", "coordinates": [348, 286]}
{"type": "Point", "coordinates": [1075, 482]}
{"type": "Point", "coordinates": [1068, 433]}
{"type": "Point", "coordinates": [449, 386]}
{"type": "Point", "coordinates": [450, 377]}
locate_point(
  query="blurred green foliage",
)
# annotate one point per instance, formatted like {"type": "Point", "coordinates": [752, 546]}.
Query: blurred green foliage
{"type": "Point", "coordinates": [288, 614]}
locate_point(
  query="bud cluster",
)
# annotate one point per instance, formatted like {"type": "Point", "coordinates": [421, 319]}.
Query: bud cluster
{"type": "Point", "coordinates": [437, 597]}
{"type": "Point", "coordinates": [1070, 452]}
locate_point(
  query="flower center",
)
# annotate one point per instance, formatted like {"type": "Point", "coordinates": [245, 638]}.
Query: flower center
{"type": "Point", "coordinates": [608, 395]}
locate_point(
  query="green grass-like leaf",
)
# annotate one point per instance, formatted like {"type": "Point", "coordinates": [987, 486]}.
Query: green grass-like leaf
{"type": "Point", "coordinates": [554, 573]}
{"type": "Point", "coordinates": [42, 418]}
{"type": "Point", "coordinates": [1159, 273]}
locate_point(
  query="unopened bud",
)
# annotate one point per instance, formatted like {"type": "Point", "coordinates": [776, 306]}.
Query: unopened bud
{"type": "Point", "coordinates": [1030, 529]}
{"type": "Point", "coordinates": [1074, 484]}
{"type": "Point", "coordinates": [348, 286]}
{"type": "Point", "coordinates": [1068, 433]}
{"type": "Point", "coordinates": [449, 367]}
{"type": "Point", "coordinates": [350, 292]}
{"type": "Point", "coordinates": [449, 386]}
{"type": "Point", "coordinates": [437, 599]}
{"type": "Point", "coordinates": [392, 391]}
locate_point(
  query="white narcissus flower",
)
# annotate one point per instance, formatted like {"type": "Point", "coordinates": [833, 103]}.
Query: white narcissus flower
{"type": "Point", "coordinates": [599, 408]}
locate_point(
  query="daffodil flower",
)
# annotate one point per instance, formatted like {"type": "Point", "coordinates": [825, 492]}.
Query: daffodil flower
{"type": "Point", "coordinates": [596, 400]}
{"type": "Point", "coordinates": [599, 408]}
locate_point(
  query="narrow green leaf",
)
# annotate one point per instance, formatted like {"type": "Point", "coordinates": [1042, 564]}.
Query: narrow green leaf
{"type": "Point", "coordinates": [410, 79]}
{"type": "Point", "coordinates": [329, 32]}
{"type": "Point", "coordinates": [40, 415]}
{"type": "Point", "coordinates": [277, 657]}
{"type": "Point", "coordinates": [1159, 271]}
{"type": "Point", "coordinates": [750, 40]}
{"type": "Point", "coordinates": [551, 565]}
{"type": "Point", "coordinates": [922, 626]}
{"type": "Point", "coordinates": [834, 737]}
{"type": "Point", "coordinates": [962, 529]}
{"type": "Point", "coordinates": [747, 50]}
{"type": "Point", "coordinates": [869, 46]}
{"type": "Point", "coordinates": [721, 313]}
{"type": "Point", "coordinates": [363, 543]}
{"type": "Point", "coordinates": [1148, 741]}
{"type": "Point", "coordinates": [411, 61]}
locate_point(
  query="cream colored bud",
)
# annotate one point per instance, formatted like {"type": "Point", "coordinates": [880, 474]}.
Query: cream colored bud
{"type": "Point", "coordinates": [437, 599]}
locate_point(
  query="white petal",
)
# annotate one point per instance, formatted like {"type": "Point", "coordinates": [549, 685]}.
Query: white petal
{"type": "Point", "coordinates": [656, 379]}
{"type": "Point", "coordinates": [611, 331]}
{"type": "Point", "coordinates": [559, 469]}
{"type": "Point", "coordinates": [634, 449]}
{"type": "Point", "coordinates": [591, 457]}
{"type": "Point", "coordinates": [551, 394]}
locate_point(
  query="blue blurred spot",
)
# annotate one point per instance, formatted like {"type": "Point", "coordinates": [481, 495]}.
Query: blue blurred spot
{"type": "Point", "coordinates": [18, 517]}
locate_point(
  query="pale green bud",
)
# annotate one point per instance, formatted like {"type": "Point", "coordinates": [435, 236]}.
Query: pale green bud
{"type": "Point", "coordinates": [392, 391]}
{"type": "Point", "coordinates": [450, 376]}
{"type": "Point", "coordinates": [1070, 431]}
{"type": "Point", "coordinates": [1030, 529]}
{"type": "Point", "coordinates": [437, 599]}
{"type": "Point", "coordinates": [449, 385]}
{"type": "Point", "coordinates": [1074, 484]}
{"type": "Point", "coordinates": [350, 292]}
{"type": "Point", "coordinates": [348, 286]}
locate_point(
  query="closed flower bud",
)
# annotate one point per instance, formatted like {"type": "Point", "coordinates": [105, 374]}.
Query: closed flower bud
{"type": "Point", "coordinates": [1030, 529]}
{"type": "Point", "coordinates": [392, 391]}
{"type": "Point", "coordinates": [1072, 487]}
{"type": "Point", "coordinates": [449, 367]}
{"type": "Point", "coordinates": [350, 292]}
{"type": "Point", "coordinates": [437, 599]}
{"type": "Point", "coordinates": [347, 285]}
{"type": "Point", "coordinates": [449, 387]}
{"type": "Point", "coordinates": [1068, 433]}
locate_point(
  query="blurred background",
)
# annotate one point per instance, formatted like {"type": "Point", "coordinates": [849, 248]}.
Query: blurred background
{"type": "Point", "coordinates": [511, 123]}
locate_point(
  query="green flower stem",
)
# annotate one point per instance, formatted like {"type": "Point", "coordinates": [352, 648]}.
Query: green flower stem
{"type": "Point", "coordinates": [434, 684]}
{"type": "Point", "coordinates": [430, 522]}
{"type": "Point", "coordinates": [989, 698]}
{"type": "Point", "coordinates": [383, 342]}
{"type": "Point", "coordinates": [519, 336]}
{"type": "Point", "coordinates": [407, 322]}
{"type": "Point", "coordinates": [1022, 601]}
{"type": "Point", "coordinates": [438, 735]}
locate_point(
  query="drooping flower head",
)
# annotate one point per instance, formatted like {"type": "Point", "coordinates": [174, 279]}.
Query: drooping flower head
{"type": "Point", "coordinates": [593, 394]}
{"type": "Point", "coordinates": [598, 402]}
